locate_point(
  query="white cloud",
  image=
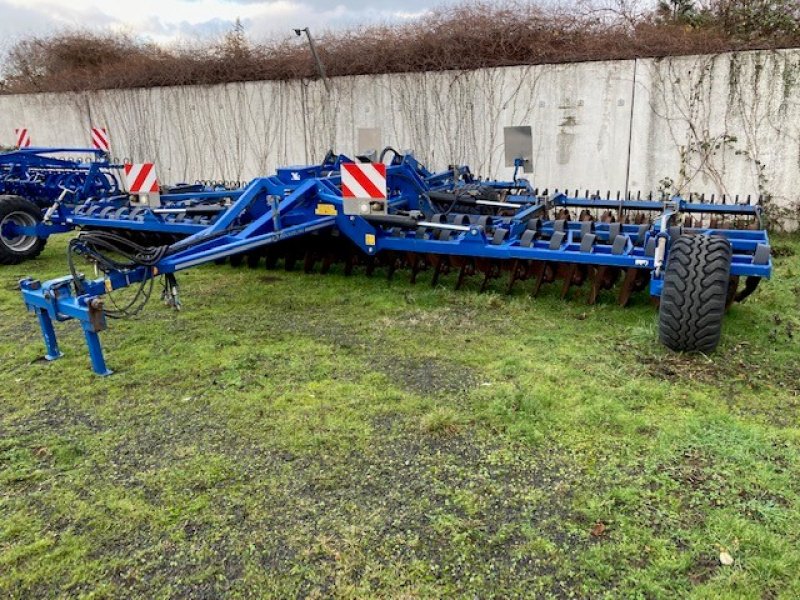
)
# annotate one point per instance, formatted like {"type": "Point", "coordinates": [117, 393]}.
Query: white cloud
{"type": "Point", "coordinates": [139, 12]}
{"type": "Point", "coordinates": [170, 20]}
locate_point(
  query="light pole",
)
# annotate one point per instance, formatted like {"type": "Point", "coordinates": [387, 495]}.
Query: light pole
{"type": "Point", "coordinates": [320, 66]}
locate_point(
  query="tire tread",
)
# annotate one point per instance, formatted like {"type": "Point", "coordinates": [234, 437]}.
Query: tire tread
{"type": "Point", "coordinates": [695, 291]}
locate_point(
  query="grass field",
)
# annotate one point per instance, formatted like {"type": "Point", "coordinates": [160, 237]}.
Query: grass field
{"type": "Point", "coordinates": [292, 435]}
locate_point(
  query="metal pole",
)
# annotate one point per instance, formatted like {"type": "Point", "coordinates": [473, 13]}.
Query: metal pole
{"type": "Point", "coordinates": [320, 66]}
{"type": "Point", "coordinates": [630, 130]}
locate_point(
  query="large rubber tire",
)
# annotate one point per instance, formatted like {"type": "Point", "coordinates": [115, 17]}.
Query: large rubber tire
{"type": "Point", "coordinates": [695, 291]}
{"type": "Point", "coordinates": [23, 212]}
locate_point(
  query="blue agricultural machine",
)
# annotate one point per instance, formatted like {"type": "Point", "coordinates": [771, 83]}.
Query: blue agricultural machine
{"type": "Point", "coordinates": [34, 182]}
{"type": "Point", "coordinates": [44, 191]}
{"type": "Point", "coordinates": [691, 255]}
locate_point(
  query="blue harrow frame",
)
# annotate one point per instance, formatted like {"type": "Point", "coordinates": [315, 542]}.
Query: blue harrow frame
{"type": "Point", "coordinates": [521, 236]}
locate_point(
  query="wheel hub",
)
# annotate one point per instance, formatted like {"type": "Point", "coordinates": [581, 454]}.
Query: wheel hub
{"type": "Point", "coordinates": [13, 241]}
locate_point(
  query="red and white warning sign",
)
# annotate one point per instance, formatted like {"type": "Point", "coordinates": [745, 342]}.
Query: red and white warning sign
{"type": "Point", "coordinates": [23, 137]}
{"type": "Point", "coordinates": [364, 181]}
{"type": "Point", "coordinates": [100, 139]}
{"type": "Point", "coordinates": [141, 178]}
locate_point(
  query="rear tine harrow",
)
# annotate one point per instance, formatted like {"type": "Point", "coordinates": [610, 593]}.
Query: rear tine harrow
{"type": "Point", "coordinates": [447, 225]}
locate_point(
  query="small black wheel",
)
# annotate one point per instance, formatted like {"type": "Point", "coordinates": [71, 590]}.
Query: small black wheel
{"type": "Point", "coordinates": [14, 248]}
{"type": "Point", "coordinates": [695, 291]}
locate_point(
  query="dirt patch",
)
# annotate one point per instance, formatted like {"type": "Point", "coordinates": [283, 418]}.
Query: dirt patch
{"type": "Point", "coordinates": [725, 368]}
{"type": "Point", "coordinates": [703, 569]}
{"type": "Point", "coordinates": [782, 251]}
{"type": "Point", "coordinates": [703, 480]}
{"type": "Point", "coordinates": [413, 496]}
{"type": "Point", "coordinates": [270, 279]}
{"type": "Point", "coordinates": [731, 371]}
{"type": "Point", "coordinates": [56, 416]}
{"type": "Point", "coordinates": [673, 367]}
{"type": "Point", "coordinates": [421, 375]}
{"type": "Point", "coordinates": [463, 507]}
{"type": "Point", "coordinates": [427, 376]}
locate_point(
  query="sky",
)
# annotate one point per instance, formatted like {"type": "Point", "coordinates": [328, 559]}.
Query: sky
{"type": "Point", "coordinates": [169, 20]}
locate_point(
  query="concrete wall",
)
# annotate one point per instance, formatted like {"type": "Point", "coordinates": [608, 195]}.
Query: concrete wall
{"type": "Point", "coordinates": [725, 124]}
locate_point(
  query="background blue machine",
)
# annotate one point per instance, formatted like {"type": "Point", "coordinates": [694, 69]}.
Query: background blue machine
{"type": "Point", "coordinates": [446, 222]}
{"type": "Point", "coordinates": [45, 191]}
{"type": "Point", "coordinates": [43, 174]}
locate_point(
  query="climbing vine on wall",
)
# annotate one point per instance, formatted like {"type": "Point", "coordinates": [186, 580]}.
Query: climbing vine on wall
{"type": "Point", "coordinates": [732, 147]}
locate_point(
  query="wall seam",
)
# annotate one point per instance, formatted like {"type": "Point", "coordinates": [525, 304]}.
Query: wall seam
{"type": "Point", "coordinates": [630, 130]}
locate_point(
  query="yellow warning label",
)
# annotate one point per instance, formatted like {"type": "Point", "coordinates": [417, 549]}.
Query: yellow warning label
{"type": "Point", "coordinates": [369, 239]}
{"type": "Point", "coordinates": [109, 286]}
{"type": "Point", "coordinates": [327, 210]}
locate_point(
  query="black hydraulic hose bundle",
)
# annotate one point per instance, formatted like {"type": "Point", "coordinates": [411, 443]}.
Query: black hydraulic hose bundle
{"type": "Point", "coordinates": [465, 196]}
{"type": "Point", "coordinates": [112, 252]}
{"type": "Point", "coordinates": [101, 246]}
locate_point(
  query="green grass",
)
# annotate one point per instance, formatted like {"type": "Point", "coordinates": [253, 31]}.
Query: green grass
{"type": "Point", "coordinates": [298, 435]}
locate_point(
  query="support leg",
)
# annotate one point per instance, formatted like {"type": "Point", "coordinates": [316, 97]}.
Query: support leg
{"type": "Point", "coordinates": [733, 287]}
{"type": "Point", "coordinates": [437, 270]}
{"type": "Point", "coordinates": [49, 334]}
{"type": "Point", "coordinates": [626, 291]}
{"type": "Point", "coordinates": [515, 273]}
{"type": "Point", "coordinates": [308, 262]}
{"type": "Point", "coordinates": [750, 285]}
{"type": "Point", "coordinates": [462, 272]}
{"type": "Point", "coordinates": [415, 262]}
{"type": "Point", "coordinates": [599, 274]}
{"type": "Point", "coordinates": [95, 351]}
{"type": "Point", "coordinates": [569, 275]}
{"type": "Point", "coordinates": [327, 261]}
{"type": "Point", "coordinates": [541, 271]}
{"type": "Point", "coordinates": [392, 266]}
